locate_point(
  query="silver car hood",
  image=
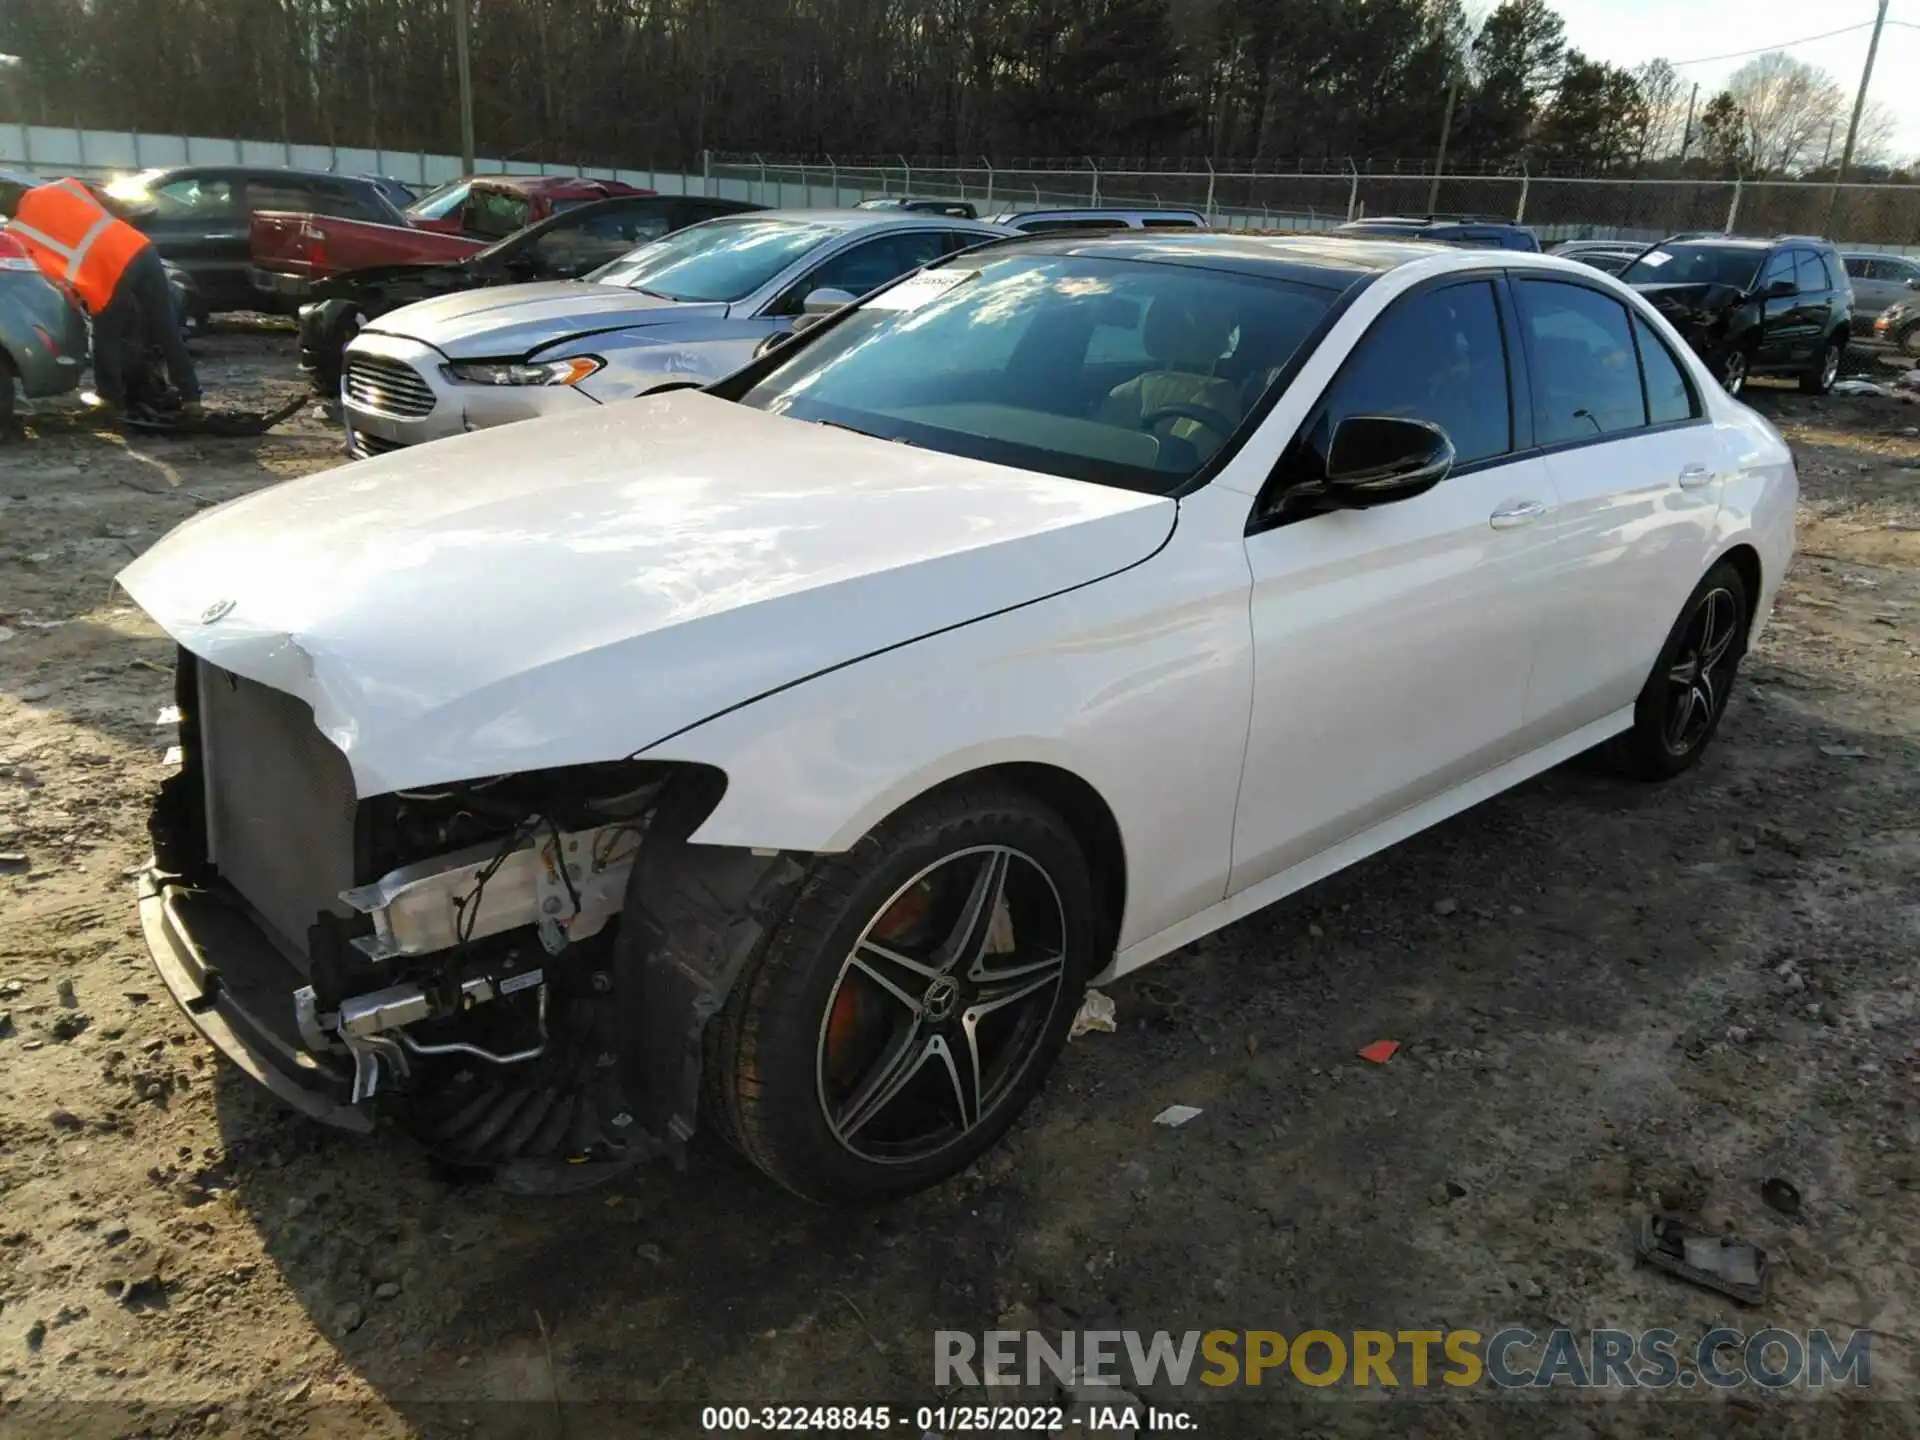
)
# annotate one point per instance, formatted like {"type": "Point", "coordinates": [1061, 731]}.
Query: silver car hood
{"type": "Point", "coordinates": [578, 588]}
{"type": "Point", "coordinates": [509, 321]}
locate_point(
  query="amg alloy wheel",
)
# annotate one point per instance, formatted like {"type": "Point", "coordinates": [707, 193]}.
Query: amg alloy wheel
{"type": "Point", "coordinates": [1680, 707]}
{"type": "Point", "coordinates": [939, 1005]}
{"type": "Point", "coordinates": [909, 1007]}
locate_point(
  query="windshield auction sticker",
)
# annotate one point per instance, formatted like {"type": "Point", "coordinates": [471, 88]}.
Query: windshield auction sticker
{"type": "Point", "coordinates": [916, 290]}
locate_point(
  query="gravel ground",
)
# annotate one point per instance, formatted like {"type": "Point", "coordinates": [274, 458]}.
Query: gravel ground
{"type": "Point", "coordinates": [1609, 998]}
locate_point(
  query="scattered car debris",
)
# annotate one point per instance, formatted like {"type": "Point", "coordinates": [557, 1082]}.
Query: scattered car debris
{"type": "Point", "coordinates": [1781, 1195]}
{"type": "Point", "coordinates": [13, 864]}
{"type": "Point", "coordinates": [1732, 1267]}
{"type": "Point", "coordinates": [1379, 1052]}
{"type": "Point", "coordinates": [1176, 1115]}
{"type": "Point", "coordinates": [1860, 387]}
{"type": "Point", "coordinates": [1844, 752]}
{"type": "Point", "coordinates": [1096, 1013]}
{"type": "Point", "coordinates": [169, 715]}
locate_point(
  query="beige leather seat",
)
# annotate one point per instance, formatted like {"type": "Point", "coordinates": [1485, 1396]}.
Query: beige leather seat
{"type": "Point", "coordinates": [1187, 340]}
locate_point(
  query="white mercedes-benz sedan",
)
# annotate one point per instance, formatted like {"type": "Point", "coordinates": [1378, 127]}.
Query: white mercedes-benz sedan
{"type": "Point", "coordinates": [788, 756]}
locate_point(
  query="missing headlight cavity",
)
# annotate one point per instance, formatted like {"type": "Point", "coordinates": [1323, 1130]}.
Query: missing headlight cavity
{"type": "Point", "coordinates": [477, 981]}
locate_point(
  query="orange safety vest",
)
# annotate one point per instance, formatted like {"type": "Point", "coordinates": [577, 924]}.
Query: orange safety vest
{"type": "Point", "coordinates": [75, 241]}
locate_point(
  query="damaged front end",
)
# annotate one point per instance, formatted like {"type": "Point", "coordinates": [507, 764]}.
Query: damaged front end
{"type": "Point", "coordinates": [456, 956]}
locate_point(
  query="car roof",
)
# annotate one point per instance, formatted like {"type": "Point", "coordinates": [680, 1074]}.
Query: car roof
{"type": "Point", "coordinates": [848, 220]}
{"type": "Point", "coordinates": [291, 172]}
{"type": "Point", "coordinates": [1094, 212]}
{"type": "Point", "coordinates": [1305, 259]}
{"type": "Point", "coordinates": [1326, 259]}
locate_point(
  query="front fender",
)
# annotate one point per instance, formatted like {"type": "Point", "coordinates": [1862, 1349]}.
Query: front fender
{"type": "Point", "coordinates": [1139, 684]}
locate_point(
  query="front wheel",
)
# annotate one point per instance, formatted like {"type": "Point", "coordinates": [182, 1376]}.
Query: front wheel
{"type": "Point", "coordinates": [1819, 380]}
{"type": "Point", "coordinates": [7, 388]}
{"type": "Point", "coordinates": [897, 1023]}
{"type": "Point", "coordinates": [1909, 341]}
{"type": "Point", "coordinates": [1679, 708]}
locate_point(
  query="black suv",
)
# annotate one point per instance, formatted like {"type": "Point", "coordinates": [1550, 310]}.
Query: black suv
{"type": "Point", "coordinates": [1472, 231]}
{"type": "Point", "coordinates": [1753, 307]}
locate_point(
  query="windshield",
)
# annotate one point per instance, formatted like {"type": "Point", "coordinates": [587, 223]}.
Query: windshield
{"type": "Point", "coordinates": [1695, 265]}
{"type": "Point", "coordinates": [1125, 372]}
{"type": "Point", "coordinates": [438, 204]}
{"type": "Point", "coordinates": [721, 260]}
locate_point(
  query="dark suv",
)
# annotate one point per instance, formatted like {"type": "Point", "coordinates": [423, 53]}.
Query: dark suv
{"type": "Point", "coordinates": [1753, 307]}
{"type": "Point", "coordinates": [1468, 230]}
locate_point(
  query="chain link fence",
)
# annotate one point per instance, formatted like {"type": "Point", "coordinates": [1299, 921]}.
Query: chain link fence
{"type": "Point", "coordinates": [1554, 207]}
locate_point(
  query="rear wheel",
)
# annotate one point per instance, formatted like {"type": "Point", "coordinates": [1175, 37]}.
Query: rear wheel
{"type": "Point", "coordinates": [1679, 709]}
{"type": "Point", "coordinates": [896, 1024]}
{"type": "Point", "coordinates": [1733, 372]}
{"type": "Point", "coordinates": [1909, 341]}
{"type": "Point", "coordinates": [1819, 380]}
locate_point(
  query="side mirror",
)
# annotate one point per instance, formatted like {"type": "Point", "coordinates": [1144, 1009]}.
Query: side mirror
{"type": "Point", "coordinates": [1779, 290]}
{"type": "Point", "coordinates": [1376, 459]}
{"type": "Point", "coordinates": [1914, 283]}
{"type": "Point", "coordinates": [825, 301]}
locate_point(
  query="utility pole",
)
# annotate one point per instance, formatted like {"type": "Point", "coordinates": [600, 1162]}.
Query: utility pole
{"type": "Point", "coordinates": [1686, 131]}
{"type": "Point", "coordinates": [463, 62]}
{"type": "Point", "coordinates": [1446, 129]}
{"type": "Point", "coordinates": [1859, 104]}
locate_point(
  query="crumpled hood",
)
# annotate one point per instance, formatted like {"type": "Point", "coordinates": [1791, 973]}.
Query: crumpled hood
{"type": "Point", "coordinates": [578, 588]}
{"type": "Point", "coordinates": [508, 321]}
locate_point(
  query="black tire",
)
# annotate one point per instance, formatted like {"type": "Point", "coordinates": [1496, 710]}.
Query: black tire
{"type": "Point", "coordinates": [1909, 341]}
{"type": "Point", "coordinates": [1657, 748]}
{"type": "Point", "coordinates": [770, 1049]}
{"type": "Point", "coordinates": [9, 387]}
{"type": "Point", "coordinates": [1819, 380]}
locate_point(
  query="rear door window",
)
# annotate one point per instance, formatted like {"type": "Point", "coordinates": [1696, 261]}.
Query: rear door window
{"type": "Point", "coordinates": [1814, 279]}
{"type": "Point", "coordinates": [1861, 268]}
{"type": "Point", "coordinates": [1586, 375]}
{"type": "Point", "coordinates": [1670, 395]}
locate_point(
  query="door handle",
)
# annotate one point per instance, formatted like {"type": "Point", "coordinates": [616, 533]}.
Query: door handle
{"type": "Point", "coordinates": [1510, 517]}
{"type": "Point", "coordinates": [1692, 477]}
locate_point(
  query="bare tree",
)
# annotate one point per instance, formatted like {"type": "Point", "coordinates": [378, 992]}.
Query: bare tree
{"type": "Point", "coordinates": [1664, 93]}
{"type": "Point", "coordinates": [1791, 108]}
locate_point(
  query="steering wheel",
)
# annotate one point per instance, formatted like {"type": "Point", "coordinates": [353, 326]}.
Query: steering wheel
{"type": "Point", "coordinates": [1199, 414]}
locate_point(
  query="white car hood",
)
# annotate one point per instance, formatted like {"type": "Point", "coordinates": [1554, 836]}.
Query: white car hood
{"type": "Point", "coordinates": [575, 589]}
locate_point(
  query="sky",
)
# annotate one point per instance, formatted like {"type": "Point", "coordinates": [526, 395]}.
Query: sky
{"type": "Point", "coordinates": [1626, 32]}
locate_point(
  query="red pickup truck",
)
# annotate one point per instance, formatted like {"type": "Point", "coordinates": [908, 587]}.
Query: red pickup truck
{"type": "Point", "coordinates": [292, 251]}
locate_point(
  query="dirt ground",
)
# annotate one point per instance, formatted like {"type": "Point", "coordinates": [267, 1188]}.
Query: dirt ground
{"type": "Point", "coordinates": [1609, 998]}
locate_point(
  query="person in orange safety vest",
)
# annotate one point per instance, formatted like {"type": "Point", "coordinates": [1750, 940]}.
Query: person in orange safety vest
{"type": "Point", "coordinates": [116, 275]}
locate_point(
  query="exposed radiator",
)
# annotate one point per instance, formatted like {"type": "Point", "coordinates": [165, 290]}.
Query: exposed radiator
{"type": "Point", "coordinates": [280, 806]}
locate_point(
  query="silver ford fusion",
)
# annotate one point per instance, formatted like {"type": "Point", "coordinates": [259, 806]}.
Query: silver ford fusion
{"type": "Point", "coordinates": [691, 306]}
